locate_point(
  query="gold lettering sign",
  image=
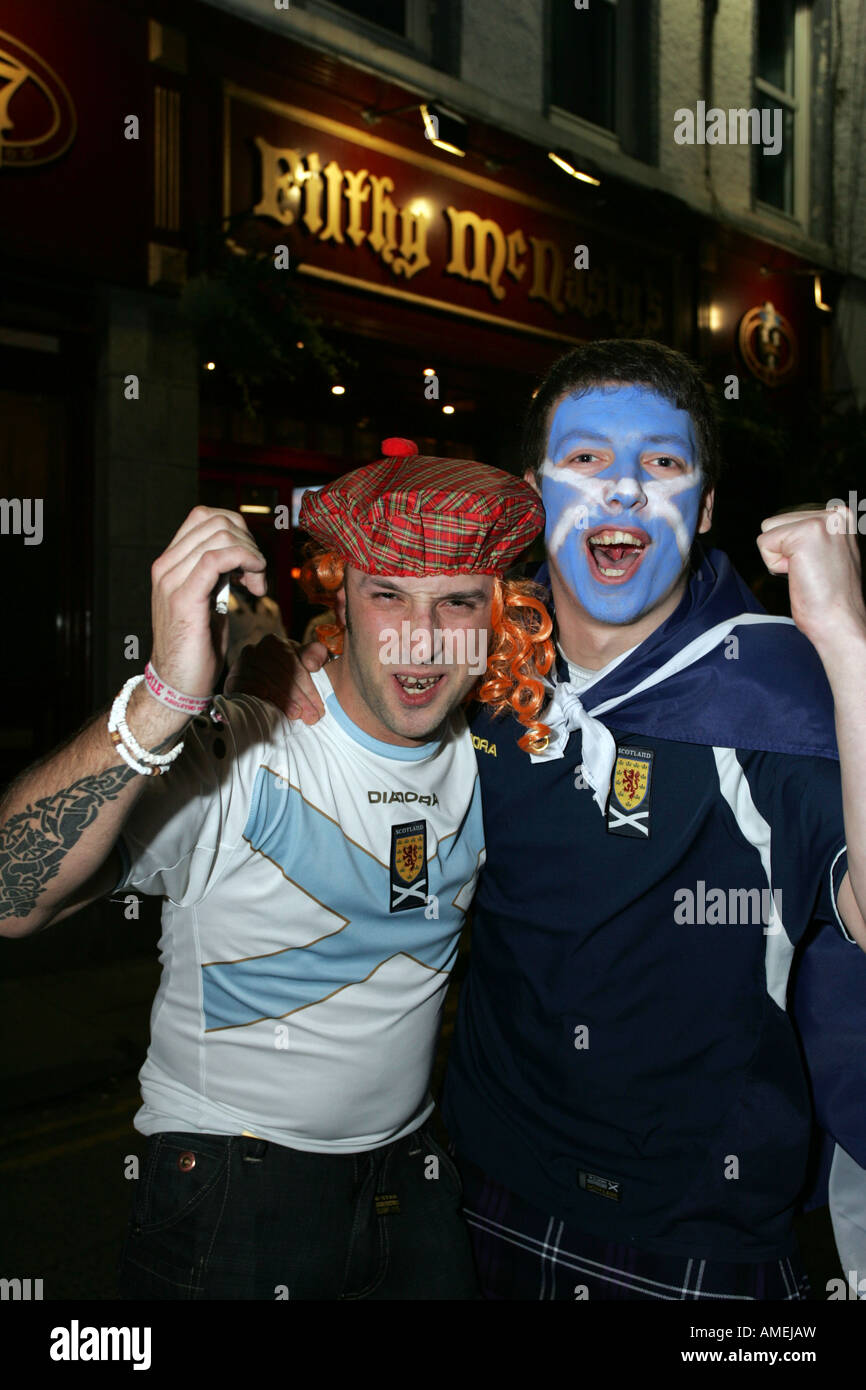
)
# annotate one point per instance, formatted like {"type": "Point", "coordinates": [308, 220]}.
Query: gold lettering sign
{"type": "Point", "coordinates": [344, 203]}
{"type": "Point", "coordinates": [486, 261]}
{"type": "Point", "coordinates": [353, 210]}
{"type": "Point", "coordinates": [335, 204]}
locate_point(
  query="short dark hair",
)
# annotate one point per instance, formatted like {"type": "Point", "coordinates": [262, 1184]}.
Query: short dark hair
{"type": "Point", "coordinates": [628, 362]}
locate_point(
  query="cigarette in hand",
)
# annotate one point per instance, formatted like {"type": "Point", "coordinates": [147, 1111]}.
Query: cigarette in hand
{"type": "Point", "coordinates": [221, 603]}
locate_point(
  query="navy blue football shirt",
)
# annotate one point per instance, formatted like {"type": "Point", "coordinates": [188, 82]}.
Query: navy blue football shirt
{"type": "Point", "coordinates": [623, 1057]}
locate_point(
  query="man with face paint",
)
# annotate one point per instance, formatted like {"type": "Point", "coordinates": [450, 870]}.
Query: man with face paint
{"type": "Point", "coordinates": [624, 496]}
{"type": "Point", "coordinates": [625, 1089]}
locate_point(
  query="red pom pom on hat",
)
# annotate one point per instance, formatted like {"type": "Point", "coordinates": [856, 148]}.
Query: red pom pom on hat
{"type": "Point", "coordinates": [397, 447]}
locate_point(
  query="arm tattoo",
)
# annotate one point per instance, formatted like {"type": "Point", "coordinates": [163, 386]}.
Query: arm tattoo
{"type": "Point", "coordinates": [34, 842]}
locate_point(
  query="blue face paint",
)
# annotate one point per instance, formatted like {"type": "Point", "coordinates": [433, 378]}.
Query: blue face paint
{"type": "Point", "coordinates": [621, 487]}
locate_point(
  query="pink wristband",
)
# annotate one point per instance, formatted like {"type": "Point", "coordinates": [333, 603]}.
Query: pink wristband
{"type": "Point", "coordinates": [187, 704]}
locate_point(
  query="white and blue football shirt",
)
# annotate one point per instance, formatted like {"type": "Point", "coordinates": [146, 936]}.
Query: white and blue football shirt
{"type": "Point", "coordinates": [315, 882]}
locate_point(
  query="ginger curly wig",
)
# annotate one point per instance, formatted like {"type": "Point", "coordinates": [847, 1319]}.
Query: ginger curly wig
{"type": "Point", "coordinates": [519, 655]}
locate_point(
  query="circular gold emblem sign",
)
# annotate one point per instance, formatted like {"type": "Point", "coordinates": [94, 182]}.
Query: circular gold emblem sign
{"type": "Point", "coordinates": [767, 343]}
{"type": "Point", "coordinates": [37, 118]}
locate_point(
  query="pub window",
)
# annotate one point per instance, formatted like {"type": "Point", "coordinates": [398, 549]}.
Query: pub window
{"type": "Point", "coordinates": [583, 72]}
{"type": "Point", "coordinates": [602, 72]}
{"type": "Point", "coordinates": [782, 84]}
{"type": "Point", "coordinates": [391, 14]}
{"type": "Point", "coordinates": [405, 19]}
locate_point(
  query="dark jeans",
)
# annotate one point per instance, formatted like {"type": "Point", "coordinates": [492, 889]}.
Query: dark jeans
{"type": "Point", "coordinates": [227, 1217]}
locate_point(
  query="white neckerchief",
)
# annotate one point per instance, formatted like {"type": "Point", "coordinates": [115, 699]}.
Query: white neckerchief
{"type": "Point", "coordinates": [566, 712]}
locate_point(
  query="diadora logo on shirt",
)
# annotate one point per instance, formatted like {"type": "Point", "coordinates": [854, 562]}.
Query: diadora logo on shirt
{"type": "Point", "coordinates": [386, 798]}
{"type": "Point", "coordinates": [482, 746]}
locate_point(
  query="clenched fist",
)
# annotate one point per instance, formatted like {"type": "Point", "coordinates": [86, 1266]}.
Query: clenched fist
{"type": "Point", "coordinates": [189, 639]}
{"type": "Point", "coordinates": [818, 552]}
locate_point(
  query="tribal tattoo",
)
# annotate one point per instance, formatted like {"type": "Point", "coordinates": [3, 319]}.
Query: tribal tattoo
{"type": "Point", "coordinates": [34, 842]}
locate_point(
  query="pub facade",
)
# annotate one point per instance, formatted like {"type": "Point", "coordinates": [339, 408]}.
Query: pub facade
{"type": "Point", "coordinates": [242, 243]}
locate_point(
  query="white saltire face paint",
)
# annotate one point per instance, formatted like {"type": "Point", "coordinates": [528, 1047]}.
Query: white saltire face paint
{"type": "Point", "coordinates": [621, 466]}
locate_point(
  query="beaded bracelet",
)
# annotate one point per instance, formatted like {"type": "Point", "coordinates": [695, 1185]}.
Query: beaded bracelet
{"type": "Point", "coordinates": [139, 759]}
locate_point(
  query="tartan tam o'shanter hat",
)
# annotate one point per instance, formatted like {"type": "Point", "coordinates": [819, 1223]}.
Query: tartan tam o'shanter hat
{"type": "Point", "coordinates": [410, 514]}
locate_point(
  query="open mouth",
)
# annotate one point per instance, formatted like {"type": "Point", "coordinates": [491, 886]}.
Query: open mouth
{"type": "Point", "coordinates": [615, 553]}
{"type": "Point", "coordinates": [417, 690]}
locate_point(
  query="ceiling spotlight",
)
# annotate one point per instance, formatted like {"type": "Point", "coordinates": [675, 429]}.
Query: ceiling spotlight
{"type": "Point", "coordinates": [443, 128]}
{"type": "Point", "coordinates": [429, 371]}
{"type": "Point", "coordinates": [210, 366]}
{"type": "Point", "coordinates": [338, 390]}
{"type": "Point", "coordinates": [819, 299]}
{"type": "Point", "coordinates": [563, 160]}
{"type": "Point", "coordinates": [447, 410]}
{"type": "Point", "coordinates": [299, 344]}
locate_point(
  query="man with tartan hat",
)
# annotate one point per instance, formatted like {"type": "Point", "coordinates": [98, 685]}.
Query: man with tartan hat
{"type": "Point", "coordinates": [315, 882]}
